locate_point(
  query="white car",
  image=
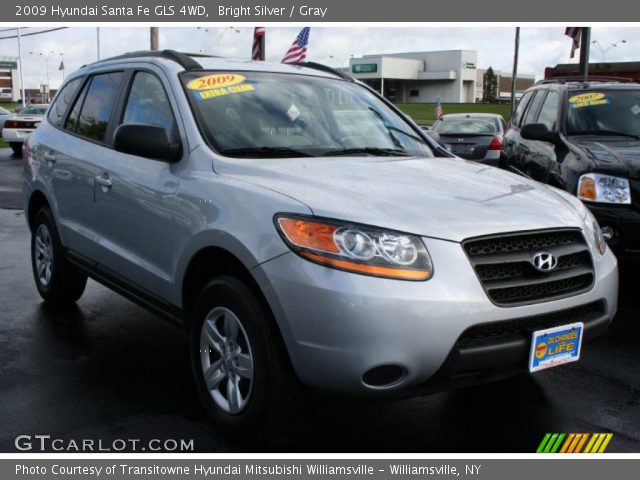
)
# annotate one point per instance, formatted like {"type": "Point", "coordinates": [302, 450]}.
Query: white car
{"type": "Point", "coordinates": [18, 127]}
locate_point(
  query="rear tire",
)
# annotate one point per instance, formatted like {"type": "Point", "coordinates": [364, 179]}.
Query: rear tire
{"type": "Point", "coordinates": [56, 280]}
{"type": "Point", "coordinates": [236, 354]}
{"type": "Point", "coordinates": [17, 148]}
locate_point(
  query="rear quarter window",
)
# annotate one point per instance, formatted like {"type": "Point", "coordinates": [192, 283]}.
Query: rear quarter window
{"type": "Point", "coordinates": [522, 105]}
{"type": "Point", "coordinates": [92, 111]}
{"type": "Point", "coordinates": [62, 101]}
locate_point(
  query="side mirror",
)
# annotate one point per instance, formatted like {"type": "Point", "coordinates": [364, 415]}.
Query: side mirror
{"type": "Point", "coordinates": [149, 141]}
{"type": "Point", "coordinates": [538, 131]}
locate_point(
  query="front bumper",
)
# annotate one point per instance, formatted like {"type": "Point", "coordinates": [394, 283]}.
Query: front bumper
{"type": "Point", "coordinates": [337, 326]}
{"type": "Point", "coordinates": [625, 221]}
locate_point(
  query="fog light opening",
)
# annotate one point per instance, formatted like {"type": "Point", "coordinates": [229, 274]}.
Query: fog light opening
{"type": "Point", "coordinates": [384, 376]}
{"type": "Point", "coordinates": [608, 233]}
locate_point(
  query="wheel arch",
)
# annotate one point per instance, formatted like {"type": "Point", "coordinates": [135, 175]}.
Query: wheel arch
{"type": "Point", "coordinates": [212, 261]}
{"type": "Point", "coordinates": [37, 200]}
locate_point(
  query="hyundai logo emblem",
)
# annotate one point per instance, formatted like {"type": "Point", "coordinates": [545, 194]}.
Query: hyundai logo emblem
{"type": "Point", "coordinates": [544, 262]}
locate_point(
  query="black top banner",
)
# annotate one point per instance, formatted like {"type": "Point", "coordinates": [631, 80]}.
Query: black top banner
{"type": "Point", "coordinates": [310, 11]}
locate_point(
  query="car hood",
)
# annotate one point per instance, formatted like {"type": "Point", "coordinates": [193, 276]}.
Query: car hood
{"type": "Point", "coordinates": [618, 156]}
{"type": "Point", "coordinates": [443, 198]}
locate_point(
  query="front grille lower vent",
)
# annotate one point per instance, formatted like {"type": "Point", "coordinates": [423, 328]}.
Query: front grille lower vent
{"type": "Point", "coordinates": [496, 331]}
{"type": "Point", "coordinates": [504, 265]}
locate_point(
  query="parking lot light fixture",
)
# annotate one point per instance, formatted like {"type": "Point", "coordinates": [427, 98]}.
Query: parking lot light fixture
{"type": "Point", "coordinates": [604, 50]}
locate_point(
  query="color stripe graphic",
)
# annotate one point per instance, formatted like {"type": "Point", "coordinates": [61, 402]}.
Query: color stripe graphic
{"type": "Point", "coordinates": [574, 443]}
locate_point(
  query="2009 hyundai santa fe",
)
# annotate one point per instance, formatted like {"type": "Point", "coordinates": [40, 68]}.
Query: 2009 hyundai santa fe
{"type": "Point", "coordinates": [305, 232]}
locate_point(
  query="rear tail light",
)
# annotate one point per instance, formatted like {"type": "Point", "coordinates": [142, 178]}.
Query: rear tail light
{"type": "Point", "coordinates": [496, 143]}
{"type": "Point", "coordinates": [11, 124]}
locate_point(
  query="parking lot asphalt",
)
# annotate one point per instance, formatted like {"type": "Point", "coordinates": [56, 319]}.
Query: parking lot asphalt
{"type": "Point", "coordinates": [108, 369]}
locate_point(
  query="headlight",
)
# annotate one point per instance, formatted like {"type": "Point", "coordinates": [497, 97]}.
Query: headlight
{"type": "Point", "coordinates": [356, 248]}
{"type": "Point", "coordinates": [596, 187]}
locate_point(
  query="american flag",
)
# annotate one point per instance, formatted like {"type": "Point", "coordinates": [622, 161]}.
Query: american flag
{"type": "Point", "coordinates": [256, 52]}
{"type": "Point", "coordinates": [575, 33]}
{"type": "Point", "coordinates": [298, 50]}
{"type": "Point", "coordinates": [438, 110]}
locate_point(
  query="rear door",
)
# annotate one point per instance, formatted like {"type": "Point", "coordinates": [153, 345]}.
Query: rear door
{"type": "Point", "coordinates": [512, 138]}
{"type": "Point", "coordinates": [86, 146]}
{"type": "Point", "coordinates": [68, 179]}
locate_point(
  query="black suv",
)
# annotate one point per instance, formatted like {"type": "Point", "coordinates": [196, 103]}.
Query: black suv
{"type": "Point", "coordinates": [584, 137]}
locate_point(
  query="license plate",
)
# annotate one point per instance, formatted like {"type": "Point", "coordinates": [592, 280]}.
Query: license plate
{"type": "Point", "coordinates": [460, 149]}
{"type": "Point", "coordinates": [555, 346]}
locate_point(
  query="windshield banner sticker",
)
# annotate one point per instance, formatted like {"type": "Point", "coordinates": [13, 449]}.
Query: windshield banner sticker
{"type": "Point", "coordinates": [590, 99]}
{"type": "Point", "coordinates": [219, 92]}
{"type": "Point", "coordinates": [215, 81]}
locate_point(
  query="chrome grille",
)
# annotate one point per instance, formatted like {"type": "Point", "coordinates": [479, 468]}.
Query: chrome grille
{"type": "Point", "coordinates": [504, 265]}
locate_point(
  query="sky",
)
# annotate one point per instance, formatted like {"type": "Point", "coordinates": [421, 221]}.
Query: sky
{"type": "Point", "coordinates": [539, 46]}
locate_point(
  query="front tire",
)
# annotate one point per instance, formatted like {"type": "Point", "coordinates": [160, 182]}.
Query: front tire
{"type": "Point", "coordinates": [241, 372]}
{"type": "Point", "coordinates": [56, 280]}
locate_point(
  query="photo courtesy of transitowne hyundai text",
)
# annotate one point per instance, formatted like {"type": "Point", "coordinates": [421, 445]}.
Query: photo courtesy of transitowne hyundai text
{"type": "Point", "coordinates": [285, 239]}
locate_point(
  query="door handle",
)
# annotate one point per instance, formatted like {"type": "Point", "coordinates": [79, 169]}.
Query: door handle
{"type": "Point", "coordinates": [49, 157]}
{"type": "Point", "coordinates": [104, 182]}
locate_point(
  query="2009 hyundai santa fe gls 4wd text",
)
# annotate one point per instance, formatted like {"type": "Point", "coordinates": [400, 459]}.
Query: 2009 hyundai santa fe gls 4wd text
{"type": "Point", "coordinates": [305, 232]}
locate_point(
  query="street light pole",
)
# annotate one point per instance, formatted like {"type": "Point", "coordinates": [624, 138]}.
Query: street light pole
{"type": "Point", "coordinates": [514, 74]}
{"type": "Point", "coordinates": [21, 75]}
{"type": "Point", "coordinates": [605, 50]}
{"type": "Point", "coordinates": [222, 35]}
{"type": "Point", "coordinates": [155, 38]}
{"type": "Point", "coordinates": [47, 57]}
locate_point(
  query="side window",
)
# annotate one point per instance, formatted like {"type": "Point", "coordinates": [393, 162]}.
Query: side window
{"type": "Point", "coordinates": [62, 101]}
{"type": "Point", "coordinates": [549, 111]}
{"type": "Point", "coordinates": [522, 105]}
{"type": "Point", "coordinates": [532, 109]}
{"type": "Point", "coordinates": [90, 116]}
{"type": "Point", "coordinates": [148, 103]}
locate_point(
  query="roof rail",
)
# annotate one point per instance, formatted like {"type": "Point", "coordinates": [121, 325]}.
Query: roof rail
{"type": "Point", "coordinates": [324, 68]}
{"type": "Point", "coordinates": [581, 79]}
{"type": "Point", "coordinates": [185, 60]}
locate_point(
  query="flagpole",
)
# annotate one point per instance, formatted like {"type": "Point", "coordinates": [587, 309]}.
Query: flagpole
{"type": "Point", "coordinates": [98, 41]}
{"type": "Point", "coordinates": [263, 50]}
{"type": "Point", "coordinates": [514, 74]}
{"type": "Point", "coordinates": [585, 45]}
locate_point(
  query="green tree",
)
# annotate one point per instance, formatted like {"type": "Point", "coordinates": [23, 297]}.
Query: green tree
{"type": "Point", "coordinates": [490, 86]}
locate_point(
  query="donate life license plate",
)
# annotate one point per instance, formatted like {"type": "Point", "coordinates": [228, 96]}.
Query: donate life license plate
{"type": "Point", "coordinates": [555, 346]}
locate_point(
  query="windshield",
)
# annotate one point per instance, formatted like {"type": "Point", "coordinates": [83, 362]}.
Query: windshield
{"type": "Point", "coordinates": [259, 114]}
{"type": "Point", "coordinates": [475, 126]}
{"type": "Point", "coordinates": [605, 112]}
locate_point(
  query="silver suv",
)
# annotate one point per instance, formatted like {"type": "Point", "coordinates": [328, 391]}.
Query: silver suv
{"type": "Point", "coordinates": [305, 232]}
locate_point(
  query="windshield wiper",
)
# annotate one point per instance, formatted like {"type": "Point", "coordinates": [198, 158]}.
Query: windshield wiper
{"type": "Point", "coordinates": [391, 128]}
{"type": "Point", "coordinates": [605, 133]}
{"type": "Point", "coordinates": [381, 152]}
{"type": "Point", "coordinates": [269, 152]}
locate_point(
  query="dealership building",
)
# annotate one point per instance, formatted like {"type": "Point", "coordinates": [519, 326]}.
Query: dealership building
{"type": "Point", "coordinates": [9, 79]}
{"type": "Point", "coordinates": [422, 77]}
